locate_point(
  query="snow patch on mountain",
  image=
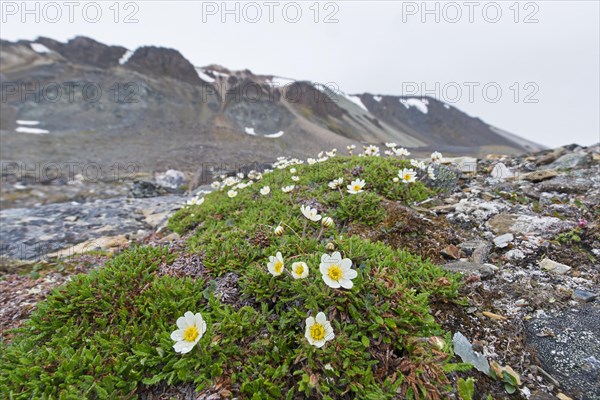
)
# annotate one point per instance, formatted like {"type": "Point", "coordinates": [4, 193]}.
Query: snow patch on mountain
{"type": "Point", "coordinates": [125, 57]}
{"type": "Point", "coordinates": [419, 104]}
{"type": "Point", "coordinates": [40, 48]}
{"type": "Point", "coordinates": [202, 75]}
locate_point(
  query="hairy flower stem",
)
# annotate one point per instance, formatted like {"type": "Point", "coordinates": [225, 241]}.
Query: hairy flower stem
{"type": "Point", "coordinates": [304, 229]}
{"type": "Point", "coordinates": [320, 233]}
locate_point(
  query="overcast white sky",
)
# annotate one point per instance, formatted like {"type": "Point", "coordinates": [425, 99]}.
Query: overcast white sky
{"type": "Point", "coordinates": [544, 51]}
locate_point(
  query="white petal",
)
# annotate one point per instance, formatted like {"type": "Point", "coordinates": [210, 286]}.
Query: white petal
{"type": "Point", "coordinates": [182, 323]}
{"type": "Point", "coordinates": [183, 347]}
{"type": "Point", "coordinates": [350, 274]}
{"type": "Point", "coordinates": [346, 283]}
{"type": "Point", "coordinates": [330, 282]}
{"type": "Point", "coordinates": [321, 318]}
{"type": "Point", "coordinates": [346, 263]}
{"type": "Point", "coordinates": [336, 256]}
{"type": "Point", "coordinates": [324, 258]}
{"type": "Point", "coordinates": [324, 267]}
{"type": "Point", "coordinates": [190, 318]}
{"type": "Point", "coordinates": [177, 335]}
{"type": "Point", "coordinates": [318, 343]}
{"type": "Point", "coordinates": [310, 321]}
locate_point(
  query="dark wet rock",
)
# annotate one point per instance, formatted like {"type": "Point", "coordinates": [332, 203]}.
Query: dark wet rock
{"type": "Point", "coordinates": [142, 189]}
{"type": "Point", "coordinates": [35, 233]}
{"type": "Point", "coordinates": [471, 268]}
{"type": "Point", "coordinates": [569, 353]}
{"type": "Point", "coordinates": [584, 295]}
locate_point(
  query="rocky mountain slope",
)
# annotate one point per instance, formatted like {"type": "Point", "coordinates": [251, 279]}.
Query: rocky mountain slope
{"type": "Point", "coordinates": [84, 96]}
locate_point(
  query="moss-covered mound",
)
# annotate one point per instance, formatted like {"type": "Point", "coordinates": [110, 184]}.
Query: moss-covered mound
{"type": "Point", "coordinates": [107, 334]}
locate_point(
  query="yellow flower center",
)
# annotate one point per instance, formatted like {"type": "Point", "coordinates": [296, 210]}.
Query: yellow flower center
{"type": "Point", "coordinates": [317, 331]}
{"type": "Point", "coordinates": [407, 177]}
{"type": "Point", "coordinates": [356, 188]}
{"type": "Point", "coordinates": [299, 269]}
{"type": "Point", "coordinates": [335, 272]}
{"type": "Point", "coordinates": [278, 266]}
{"type": "Point", "coordinates": [190, 334]}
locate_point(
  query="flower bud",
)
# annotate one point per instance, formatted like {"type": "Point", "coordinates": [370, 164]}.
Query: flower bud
{"type": "Point", "coordinates": [327, 222]}
{"type": "Point", "coordinates": [279, 230]}
{"type": "Point", "coordinates": [330, 246]}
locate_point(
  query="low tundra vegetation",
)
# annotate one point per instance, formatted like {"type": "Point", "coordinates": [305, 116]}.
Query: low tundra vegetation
{"type": "Point", "coordinates": [313, 312]}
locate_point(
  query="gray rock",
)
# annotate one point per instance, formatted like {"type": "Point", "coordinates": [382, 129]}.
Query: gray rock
{"type": "Point", "coordinates": [480, 254]}
{"type": "Point", "coordinates": [569, 355]}
{"type": "Point", "coordinates": [584, 295]}
{"type": "Point", "coordinates": [471, 268]}
{"type": "Point", "coordinates": [143, 189]}
{"type": "Point", "coordinates": [571, 160]}
{"type": "Point", "coordinates": [172, 179]}
{"type": "Point", "coordinates": [541, 175]}
{"type": "Point", "coordinates": [566, 184]}
{"type": "Point", "coordinates": [554, 267]}
{"type": "Point", "coordinates": [502, 241]}
{"type": "Point", "coordinates": [527, 224]}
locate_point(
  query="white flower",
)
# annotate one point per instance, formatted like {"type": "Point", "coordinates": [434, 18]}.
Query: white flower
{"type": "Point", "coordinates": [295, 178]}
{"type": "Point", "coordinates": [240, 175]}
{"type": "Point", "coordinates": [436, 156]}
{"type": "Point", "coordinates": [287, 189]}
{"type": "Point", "coordinates": [195, 201]}
{"type": "Point", "coordinates": [275, 264]}
{"type": "Point", "coordinates": [299, 270]}
{"type": "Point", "coordinates": [418, 164]}
{"type": "Point", "coordinates": [310, 213]}
{"type": "Point", "coordinates": [337, 272]}
{"type": "Point", "coordinates": [388, 153]}
{"type": "Point", "coordinates": [327, 222]}
{"type": "Point", "coordinates": [279, 230]}
{"type": "Point", "coordinates": [401, 152]}
{"type": "Point", "coordinates": [371, 150]}
{"type": "Point", "coordinates": [356, 186]}
{"type": "Point", "coordinates": [351, 147]}
{"type": "Point", "coordinates": [293, 170]}
{"type": "Point", "coordinates": [230, 181]}
{"type": "Point", "coordinates": [215, 185]}
{"type": "Point", "coordinates": [396, 179]}
{"type": "Point", "coordinates": [407, 175]}
{"type": "Point", "coordinates": [336, 183]}
{"type": "Point", "coordinates": [331, 153]}
{"type": "Point", "coordinates": [431, 172]}
{"type": "Point", "coordinates": [191, 328]}
{"type": "Point", "coordinates": [318, 330]}
{"type": "Point", "coordinates": [311, 161]}
{"type": "Point", "coordinates": [265, 190]}
{"type": "Point", "coordinates": [232, 193]}
{"type": "Point", "coordinates": [322, 159]}
{"type": "Point", "coordinates": [390, 145]}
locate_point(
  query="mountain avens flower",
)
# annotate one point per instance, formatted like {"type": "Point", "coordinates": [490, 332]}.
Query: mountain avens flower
{"type": "Point", "coordinates": [356, 186]}
{"type": "Point", "coordinates": [407, 175]}
{"type": "Point", "coordinates": [295, 178]}
{"type": "Point", "coordinates": [337, 272]}
{"type": "Point", "coordinates": [265, 190]}
{"type": "Point", "coordinates": [436, 156]}
{"type": "Point", "coordinates": [287, 189]}
{"type": "Point", "coordinates": [275, 264]}
{"type": "Point", "coordinates": [232, 193]}
{"type": "Point", "coordinates": [318, 330]}
{"type": "Point", "coordinates": [336, 183]}
{"type": "Point", "coordinates": [299, 270]}
{"type": "Point", "coordinates": [310, 213]}
{"type": "Point", "coordinates": [191, 328]}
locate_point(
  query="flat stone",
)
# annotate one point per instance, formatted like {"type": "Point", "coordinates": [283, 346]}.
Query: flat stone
{"type": "Point", "coordinates": [554, 267]}
{"type": "Point", "coordinates": [565, 184]}
{"type": "Point", "coordinates": [527, 224]}
{"type": "Point", "coordinates": [502, 241]}
{"type": "Point", "coordinates": [541, 175]}
{"type": "Point", "coordinates": [584, 295]}
{"type": "Point", "coordinates": [471, 268]}
{"type": "Point", "coordinates": [171, 179]}
{"type": "Point", "coordinates": [464, 164]}
{"type": "Point", "coordinates": [480, 254]}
